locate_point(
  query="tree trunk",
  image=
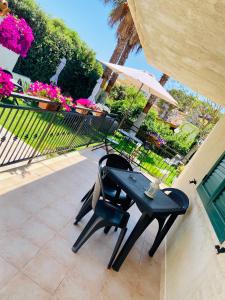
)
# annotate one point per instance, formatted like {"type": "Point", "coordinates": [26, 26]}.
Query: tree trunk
{"type": "Point", "coordinates": [163, 80]}
{"type": "Point", "coordinates": [121, 62]}
{"type": "Point", "coordinates": [137, 124]}
{"type": "Point", "coordinates": [114, 59]}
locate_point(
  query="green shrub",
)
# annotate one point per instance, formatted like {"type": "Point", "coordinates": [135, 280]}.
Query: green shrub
{"type": "Point", "coordinates": [53, 41]}
{"type": "Point", "coordinates": [120, 100]}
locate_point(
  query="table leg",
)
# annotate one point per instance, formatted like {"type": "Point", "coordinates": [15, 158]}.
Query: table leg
{"type": "Point", "coordinates": [162, 234]}
{"type": "Point", "coordinates": [139, 228]}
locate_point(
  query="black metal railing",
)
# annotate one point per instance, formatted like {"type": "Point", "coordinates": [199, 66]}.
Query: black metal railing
{"type": "Point", "coordinates": [28, 132]}
{"type": "Point", "coordinates": [158, 162]}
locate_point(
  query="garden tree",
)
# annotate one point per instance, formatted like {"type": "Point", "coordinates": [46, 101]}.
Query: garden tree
{"type": "Point", "coordinates": [121, 96]}
{"type": "Point", "coordinates": [132, 44]}
{"type": "Point", "coordinates": [204, 115]}
{"type": "Point", "coordinates": [53, 41]}
{"type": "Point", "coordinates": [127, 37]}
{"type": "Point", "coordinates": [137, 124]}
{"type": "Point", "coordinates": [118, 92]}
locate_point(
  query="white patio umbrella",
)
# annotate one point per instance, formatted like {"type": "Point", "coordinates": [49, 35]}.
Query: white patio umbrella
{"type": "Point", "coordinates": [143, 80]}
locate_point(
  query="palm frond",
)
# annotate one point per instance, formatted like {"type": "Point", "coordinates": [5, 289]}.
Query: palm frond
{"type": "Point", "coordinates": [115, 3]}
{"type": "Point", "coordinates": [118, 14]}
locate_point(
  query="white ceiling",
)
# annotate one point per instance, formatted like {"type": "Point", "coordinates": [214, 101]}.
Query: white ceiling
{"type": "Point", "coordinates": [186, 40]}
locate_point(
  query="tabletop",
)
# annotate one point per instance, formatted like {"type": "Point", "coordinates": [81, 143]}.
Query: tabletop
{"type": "Point", "coordinates": [135, 184]}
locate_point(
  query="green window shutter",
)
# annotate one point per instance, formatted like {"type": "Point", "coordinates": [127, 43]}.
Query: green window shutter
{"type": "Point", "coordinates": [212, 193]}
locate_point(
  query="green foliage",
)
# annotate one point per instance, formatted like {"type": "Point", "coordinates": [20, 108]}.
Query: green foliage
{"type": "Point", "coordinates": [119, 101]}
{"type": "Point", "coordinates": [53, 41]}
{"type": "Point", "coordinates": [207, 115]}
{"type": "Point", "coordinates": [118, 92]}
{"type": "Point", "coordinates": [126, 100]}
{"type": "Point", "coordinates": [184, 100]}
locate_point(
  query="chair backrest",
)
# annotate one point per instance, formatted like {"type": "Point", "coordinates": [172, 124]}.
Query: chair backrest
{"type": "Point", "coordinates": [97, 191]}
{"type": "Point", "coordinates": [116, 161]}
{"type": "Point", "coordinates": [179, 197]}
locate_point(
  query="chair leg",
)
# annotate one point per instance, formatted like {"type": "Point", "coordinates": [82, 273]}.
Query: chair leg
{"type": "Point", "coordinates": [106, 229]}
{"type": "Point", "coordinates": [86, 207]}
{"type": "Point", "coordinates": [117, 247]}
{"type": "Point", "coordinates": [87, 194]}
{"type": "Point", "coordinates": [93, 225]}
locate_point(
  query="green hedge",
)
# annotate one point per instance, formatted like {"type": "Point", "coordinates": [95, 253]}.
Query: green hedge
{"type": "Point", "coordinates": [53, 41]}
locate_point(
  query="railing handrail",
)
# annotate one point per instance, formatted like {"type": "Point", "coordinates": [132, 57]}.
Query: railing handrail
{"type": "Point", "coordinates": [30, 98]}
{"type": "Point", "coordinates": [28, 132]}
{"type": "Point", "coordinates": [43, 100]}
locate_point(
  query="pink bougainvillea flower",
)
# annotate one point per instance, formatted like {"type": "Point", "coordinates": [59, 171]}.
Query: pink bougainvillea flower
{"type": "Point", "coordinates": [16, 35]}
{"type": "Point", "coordinates": [51, 92]}
{"type": "Point", "coordinates": [6, 86]}
{"type": "Point", "coordinates": [85, 102]}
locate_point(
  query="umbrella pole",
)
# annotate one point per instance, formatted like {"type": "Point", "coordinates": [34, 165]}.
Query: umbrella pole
{"type": "Point", "coordinates": [128, 109]}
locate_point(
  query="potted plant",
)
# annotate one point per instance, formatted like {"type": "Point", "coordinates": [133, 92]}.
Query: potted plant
{"type": "Point", "coordinates": [52, 94]}
{"type": "Point", "coordinates": [6, 86]}
{"type": "Point", "coordinates": [100, 109]}
{"type": "Point", "coordinates": [155, 138]}
{"type": "Point", "coordinates": [83, 105]}
{"type": "Point", "coordinates": [16, 38]}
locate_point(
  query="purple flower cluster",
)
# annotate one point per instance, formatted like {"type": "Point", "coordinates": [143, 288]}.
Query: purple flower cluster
{"type": "Point", "coordinates": [16, 35]}
{"type": "Point", "coordinates": [156, 137]}
{"type": "Point", "coordinates": [6, 86]}
{"type": "Point", "coordinates": [51, 92]}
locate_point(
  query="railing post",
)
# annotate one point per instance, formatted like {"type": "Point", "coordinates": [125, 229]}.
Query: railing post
{"type": "Point", "coordinates": [77, 132]}
{"type": "Point", "coordinates": [42, 137]}
{"type": "Point", "coordinates": [91, 138]}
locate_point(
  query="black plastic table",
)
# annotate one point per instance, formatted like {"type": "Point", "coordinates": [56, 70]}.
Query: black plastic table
{"type": "Point", "coordinates": [135, 184]}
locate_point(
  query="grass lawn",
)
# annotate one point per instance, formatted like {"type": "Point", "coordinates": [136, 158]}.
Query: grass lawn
{"type": "Point", "coordinates": [30, 126]}
{"type": "Point", "coordinates": [151, 162]}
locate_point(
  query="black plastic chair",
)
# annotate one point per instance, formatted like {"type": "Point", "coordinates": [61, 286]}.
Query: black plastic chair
{"type": "Point", "coordinates": [165, 221]}
{"type": "Point", "coordinates": [113, 193]}
{"type": "Point", "coordinates": [105, 214]}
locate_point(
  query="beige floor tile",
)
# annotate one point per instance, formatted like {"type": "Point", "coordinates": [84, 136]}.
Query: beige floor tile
{"type": "Point", "coordinates": [83, 282]}
{"type": "Point", "coordinates": [60, 249]}
{"type": "Point", "coordinates": [76, 288]}
{"type": "Point", "coordinates": [64, 208]}
{"type": "Point", "coordinates": [21, 288]}
{"type": "Point", "coordinates": [25, 198]}
{"type": "Point", "coordinates": [37, 232]}
{"type": "Point", "coordinates": [117, 289]}
{"type": "Point", "coordinates": [46, 272]}
{"type": "Point", "coordinates": [40, 212]}
{"type": "Point", "coordinates": [52, 218]}
{"type": "Point", "coordinates": [11, 217]}
{"type": "Point", "coordinates": [7, 272]}
{"type": "Point", "coordinates": [70, 232]}
{"type": "Point", "coordinates": [17, 250]}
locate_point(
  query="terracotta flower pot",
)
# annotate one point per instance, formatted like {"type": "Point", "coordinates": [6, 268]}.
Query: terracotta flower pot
{"type": "Point", "coordinates": [49, 106]}
{"type": "Point", "coordinates": [82, 110]}
{"type": "Point", "coordinates": [98, 113]}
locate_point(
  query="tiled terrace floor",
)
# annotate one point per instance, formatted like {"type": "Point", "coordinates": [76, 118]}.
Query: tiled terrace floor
{"type": "Point", "coordinates": [37, 209]}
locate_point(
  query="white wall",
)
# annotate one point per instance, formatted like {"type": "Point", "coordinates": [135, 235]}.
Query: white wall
{"type": "Point", "coordinates": [193, 270]}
